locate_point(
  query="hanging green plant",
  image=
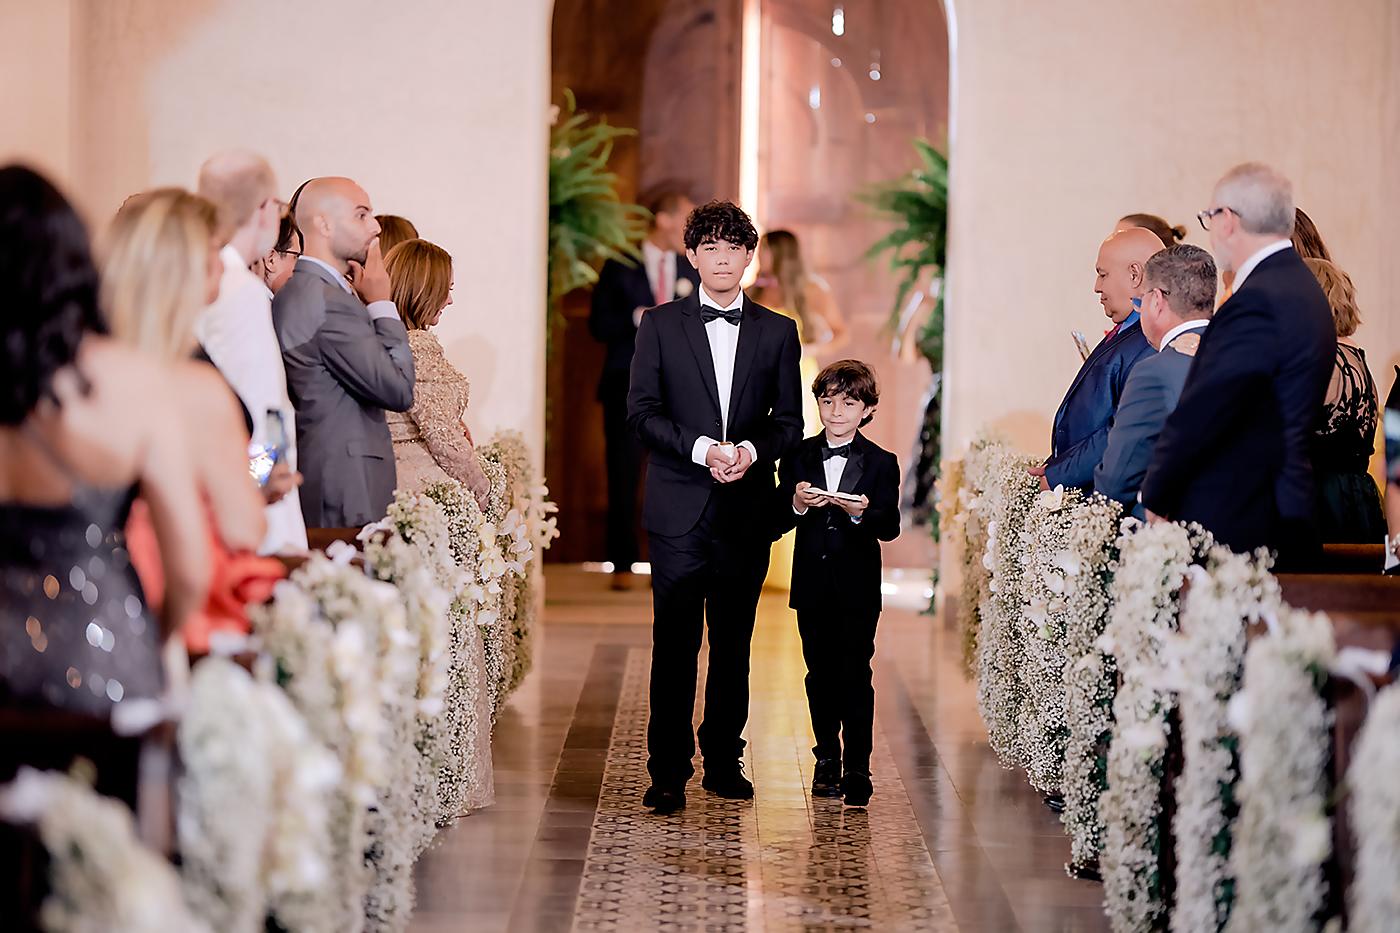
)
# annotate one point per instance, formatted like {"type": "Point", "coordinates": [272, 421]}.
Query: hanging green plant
{"type": "Point", "coordinates": [588, 222]}
{"type": "Point", "coordinates": [917, 247]}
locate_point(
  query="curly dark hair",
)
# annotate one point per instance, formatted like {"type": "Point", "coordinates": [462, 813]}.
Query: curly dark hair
{"type": "Point", "coordinates": [51, 283]}
{"type": "Point", "coordinates": [719, 220]}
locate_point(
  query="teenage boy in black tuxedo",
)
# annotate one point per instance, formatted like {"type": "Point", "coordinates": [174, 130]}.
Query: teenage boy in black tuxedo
{"type": "Point", "coordinates": [625, 291]}
{"type": "Point", "coordinates": [716, 397]}
{"type": "Point", "coordinates": [836, 571]}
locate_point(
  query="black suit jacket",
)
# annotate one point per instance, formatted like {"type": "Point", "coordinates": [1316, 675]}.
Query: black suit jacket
{"type": "Point", "coordinates": [836, 562]}
{"type": "Point", "coordinates": [622, 289]}
{"type": "Point", "coordinates": [1234, 454]}
{"type": "Point", "coordinates": [673, 400]}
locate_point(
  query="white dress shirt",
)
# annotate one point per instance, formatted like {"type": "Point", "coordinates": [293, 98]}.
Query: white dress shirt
{"type": "Point", "coordinates": [236, 332]}
{"type": "Point", "coordinates": [724, 343]}
{"type": "Point", "coordinates": [1182, 328]}
{"type": "Point", "coordinates": [377, 309]}
{"type": "Point", "coordinates": [1253, 261]}
{"type": "Point", "coordinates": [661, 266]}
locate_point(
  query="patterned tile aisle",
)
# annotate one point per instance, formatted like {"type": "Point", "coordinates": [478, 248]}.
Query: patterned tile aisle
{"type": "Point", "coordinates": [784, 861]}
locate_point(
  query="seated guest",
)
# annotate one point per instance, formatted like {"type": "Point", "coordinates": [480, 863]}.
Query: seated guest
{"type": "Point", "coordinates": [1177, 305]}
{"type": "Point", "coordinates": [86, 424]}
{"type": "Point", "coordinates": [1169, 235]}
{"type": "Point", "coordinates": [1348, 502]}
{"type": "Point", "coordinates": [394, 230]}
{"type": "Point", "coordinates": [1235, 455]}
{"type": "Point", "coordinates": [431, 444]}
{"type": "Point", "coordinates": [347, 357]}
{"type": "Point", "coordinates": [1082, 422]}
{"type": "Point", "coordinates": [236, 329]}
{"type": "Point", "coordinates": [275, 268]}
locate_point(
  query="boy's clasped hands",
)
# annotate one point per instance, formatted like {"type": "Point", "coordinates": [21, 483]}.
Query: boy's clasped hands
{"type": "Point", "coordinates": [806, 496]}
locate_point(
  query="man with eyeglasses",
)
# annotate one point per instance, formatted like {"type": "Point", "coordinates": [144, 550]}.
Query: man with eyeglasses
{"type": "Point", "coordinates": [236, 332]}
{"type": "Point", "coordinates": [1234, 455]}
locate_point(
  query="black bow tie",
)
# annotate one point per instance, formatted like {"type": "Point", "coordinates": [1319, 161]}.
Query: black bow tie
{"type": "Point", "coordinates": [708, 314]}
{"type": "Point", "coordinates": [828, 452]}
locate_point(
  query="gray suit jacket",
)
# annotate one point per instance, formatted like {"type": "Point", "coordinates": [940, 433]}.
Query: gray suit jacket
{"type": "Point", "coordinates": [1150, 395]}
{"type": "Point", "coordinates": [343, 370]}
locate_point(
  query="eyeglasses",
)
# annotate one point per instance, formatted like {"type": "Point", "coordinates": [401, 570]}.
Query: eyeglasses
{"type": "Point", "coordinates": [1205, 216]}
{"type": "Point", "coordinates": [294, 253]}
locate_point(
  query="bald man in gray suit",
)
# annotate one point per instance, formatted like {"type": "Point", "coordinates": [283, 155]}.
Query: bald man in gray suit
{"type": "Point", "coordinates": [347, 357]}
{"type": "Point", "coordinates": [1176, 307]}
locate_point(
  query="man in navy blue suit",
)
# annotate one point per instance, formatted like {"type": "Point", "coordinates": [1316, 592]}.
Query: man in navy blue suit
{"type": "Point", "coordinates": [1234, 455]}
{"type": "Point", "coordinates": [1081, 425]}
{"type": "Point", "coordinates": [623, 294]}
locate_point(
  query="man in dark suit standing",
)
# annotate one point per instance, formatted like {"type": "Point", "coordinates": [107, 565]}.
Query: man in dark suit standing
{"type": "Point", "coordinates": [347, 357]}
{"type": "Point", "coordinates": [1176, 308]}
{"type": "Point", "coordinates": [623, 294]}
{"type": "Point", "coordinates": [1082, 422]}
{"type": "Point", "coordinates": [716, 397]}
{"type": "Point", "coordinates": [1234, 454]}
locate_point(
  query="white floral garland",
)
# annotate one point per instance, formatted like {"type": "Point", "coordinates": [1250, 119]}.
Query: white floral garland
{"type": "Point", "coordinates": [1283, 835]}
{"type": "Point", "coordinates": [1375, 816]}
{"type": "Point", "coordinates": [251, 823]}
{"type": "Point", "coordinates": [342, 651]}
{"type": "Point", "coordinates": [1204, 664]}
{"type": "Point", "coordinates": [1001, 688]}
{"type": "Point", "coordinates": [1050, 571]}
{"type": "Point", "coordinates": [1151, 568]}
{"type": "Point", "coordinates": [972, 529]}
{"type": "Point", "coordinates": [100, 876]}
{"type": "Point", "coordinates": [1090, 678]}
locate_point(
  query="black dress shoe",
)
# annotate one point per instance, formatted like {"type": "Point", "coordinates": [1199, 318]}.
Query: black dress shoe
{"type": "Point", "coordinates": [728, 781]}
{"type": "Point", "coordinates": [856, 788]}
{"type": "Point", "coordinates": [1056, 802]}
{"type": "Point", "coordinates": [663, 800]}
{"type": "Point", "coordinates": [826, 778]}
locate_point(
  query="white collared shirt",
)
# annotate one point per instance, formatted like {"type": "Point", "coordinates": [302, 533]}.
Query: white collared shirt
{"type": "Point", "coordinates": [724, 343]}
{"type": "Point", "coordinates": [834, 468]}
{"type": "Point", "coordinates": [376, 309]}
{"type": "Point", "coordinates": [1253, 261]}
{"type": "Point", "coordinates": [1182, 328]}
{"type": "Point", "coordinates": [236, 332]}
{"type": "Point", "coordinates": [661, 268]}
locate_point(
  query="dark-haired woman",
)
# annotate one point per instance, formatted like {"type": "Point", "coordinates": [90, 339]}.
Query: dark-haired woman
{"type": "Point", "coordinates": [85, 424]}
{"type": "Point", "coordinates": [1169, 235]}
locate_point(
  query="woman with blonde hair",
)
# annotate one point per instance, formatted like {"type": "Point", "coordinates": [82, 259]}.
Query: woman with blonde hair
{"type": "Point", "coordinates": [1349, 505]}
{"type": "Point", "coordinates": [160, 268]}
{"type": "Point", "coordinates": [431, 443]}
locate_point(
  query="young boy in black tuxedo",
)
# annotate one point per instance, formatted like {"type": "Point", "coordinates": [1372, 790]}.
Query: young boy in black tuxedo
{"type": "Point", "coordinates": [841, 492]}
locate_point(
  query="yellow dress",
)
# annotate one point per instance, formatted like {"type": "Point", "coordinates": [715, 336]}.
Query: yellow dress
{"type": "Point", "coordinates": [780, 563]}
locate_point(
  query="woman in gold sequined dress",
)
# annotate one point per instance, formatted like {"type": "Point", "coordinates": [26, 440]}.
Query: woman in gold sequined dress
{"type": "Point", "coordinates": [431, 443]}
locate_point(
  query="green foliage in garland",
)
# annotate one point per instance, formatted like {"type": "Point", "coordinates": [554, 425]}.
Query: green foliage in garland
{"type": "Point", "coordinates": [588, 223]}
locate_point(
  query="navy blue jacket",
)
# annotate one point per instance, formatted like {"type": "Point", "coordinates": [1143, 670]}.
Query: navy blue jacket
{"type": "Point", "coordinates": [1081, 425]}
{"type": "Point", "coordinates": [1234, 455]}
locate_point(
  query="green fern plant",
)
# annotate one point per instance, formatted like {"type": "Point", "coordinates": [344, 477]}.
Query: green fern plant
{"type": "Point", "coordinates": [917, 204]}
{"type": "Point", "coordinates": [588, 222]}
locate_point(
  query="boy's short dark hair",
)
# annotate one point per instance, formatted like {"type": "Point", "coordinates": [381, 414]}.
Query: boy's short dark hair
{"type": "Point", "coordinates": [719, 220]}
{"type": "Point", "coordinates": [851, 378]}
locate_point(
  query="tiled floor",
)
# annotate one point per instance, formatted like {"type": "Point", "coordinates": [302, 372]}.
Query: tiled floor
{"type": "Point", "coordinates": [950, 842]}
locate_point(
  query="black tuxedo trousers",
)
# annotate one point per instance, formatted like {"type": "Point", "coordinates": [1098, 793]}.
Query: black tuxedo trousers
{"type": "Point", "coordinates": [710, 579]}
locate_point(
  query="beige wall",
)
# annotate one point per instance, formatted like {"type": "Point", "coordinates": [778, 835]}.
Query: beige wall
{"type": "Point", "coordinates": [438, 107]}
{"type": "Point", "coordinates": [1069, 115]}
{"type": "Point", "coordinates": [1065, 116]}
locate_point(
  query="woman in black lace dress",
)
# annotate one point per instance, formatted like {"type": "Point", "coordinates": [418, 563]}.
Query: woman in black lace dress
{"type": "Point", "coordinates": [1349, 504]}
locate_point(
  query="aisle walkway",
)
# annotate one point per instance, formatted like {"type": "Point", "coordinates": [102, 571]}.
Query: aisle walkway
{"type": "Point", "coordinates": [950, 842]}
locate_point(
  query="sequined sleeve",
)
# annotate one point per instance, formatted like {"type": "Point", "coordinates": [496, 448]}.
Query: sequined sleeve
{"type": "Point", "coordinates": [439, 399]}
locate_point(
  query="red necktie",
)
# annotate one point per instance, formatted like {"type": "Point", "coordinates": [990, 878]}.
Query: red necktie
{"type": "Point", "coordinates": [661, 296]}
{"type": "Point", "coordinates": [1111, 333]}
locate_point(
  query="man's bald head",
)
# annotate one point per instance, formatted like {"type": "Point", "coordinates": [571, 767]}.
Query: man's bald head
{"type": "Point", "coordinates": [1121, 269]}
{"type": "Point", "coordinates": [336, 220]}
